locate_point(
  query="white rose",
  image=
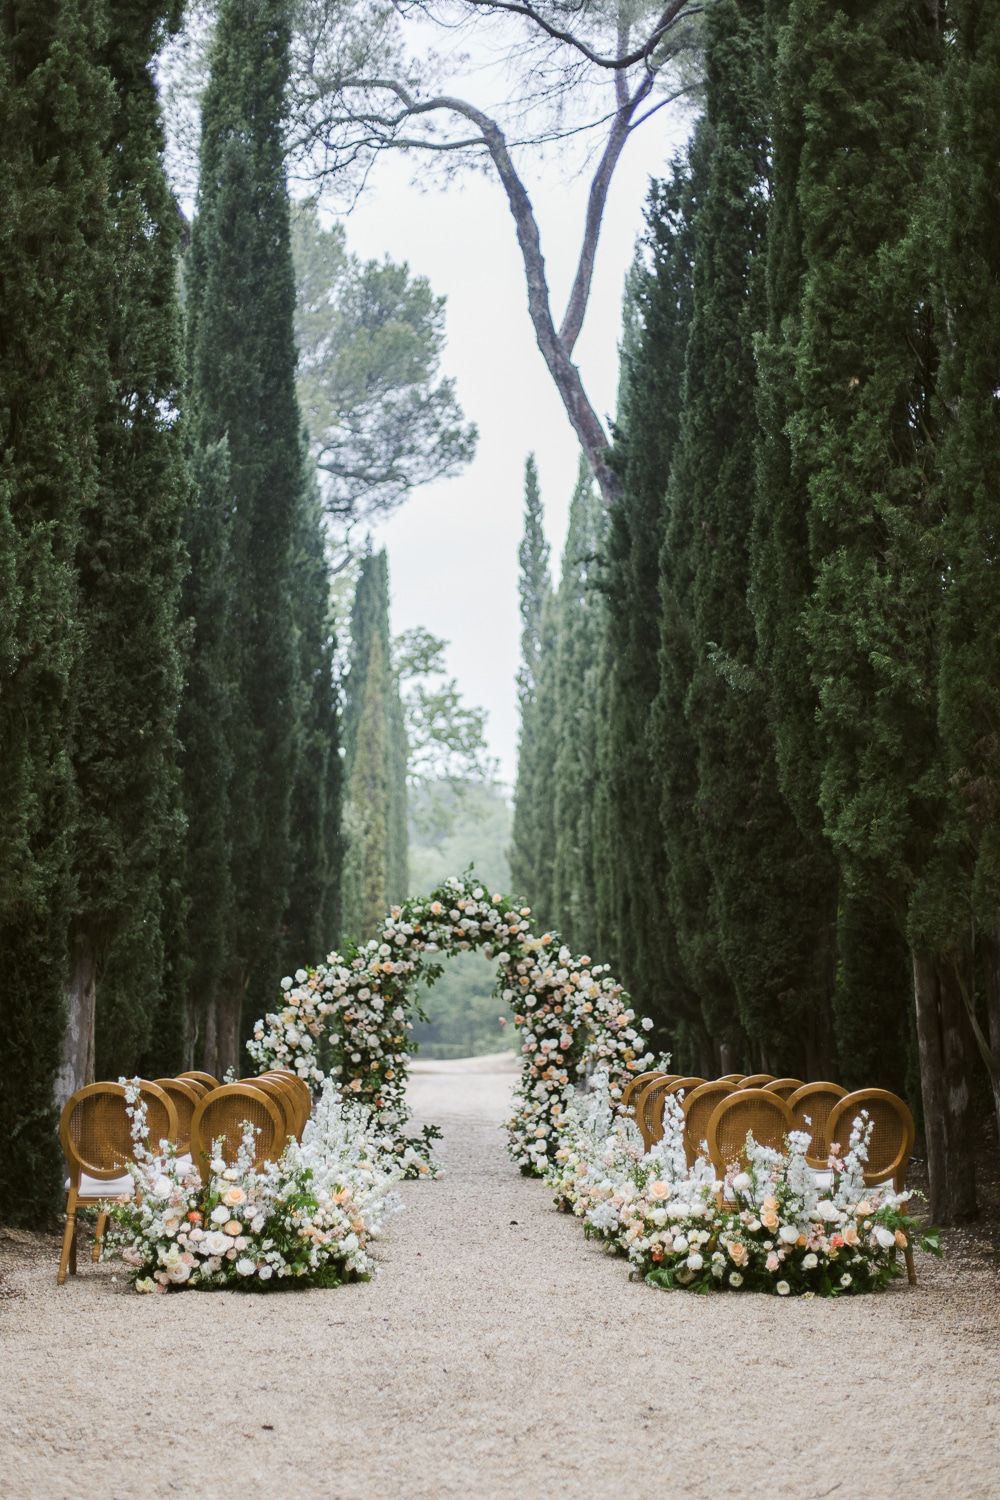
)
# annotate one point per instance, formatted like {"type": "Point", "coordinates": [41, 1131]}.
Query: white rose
{"type": "Point", "coordinates": [885, 1237]}
{"type": "Point", "coordinates": [265, 1273]}
{"type": "Point", "coordinates": [742, 1182]}
{"type": "Point", "coordinates": [695, 1261]}
{"type": "Point", "coordinates": [827, 1211]}
{"type": "Point", "coordinates": [809, 1262]}
{"type": "Point", "coordinates": [845, 1280]}
{"type": "Point", "coordinates": [680, 1243]}
{"type": "Point", "coordinates": [245, 1267]}
{"type": "Point", "coordinates": [220, 1214]}
{"type": "Point", "coordinates": [161, 1188]}
{"type": "Point", "coordinates": [301, 976]}
{"type": "Point", "coordinates": [788, 1234]}
{"type": "Point", "coordinates": [286, 983]}
{"type": "Point", "coordinates": [217, 1243]}
{"type": "Point", "coordinates": [782, 1288]}
{"type": "Point", "coordinates": [178, 1272]}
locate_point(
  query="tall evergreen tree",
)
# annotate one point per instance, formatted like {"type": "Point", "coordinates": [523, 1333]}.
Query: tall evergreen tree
{"type": "Point", "coordinates": [375, 765]}
{"type": "Point", "coordinates": [580, 626]}
{"type": "Point", "coordinates": [632, 875]}
{"type": "Point", "coordinates": [55, 100]}
{"type": "Point", "coordinates": [242, 364]}
{"type": "Point", "coordinates": [863, 435]}
{"type": "Point", "coordinates": [534, 587]}
{"type": "Point", "coordinates": [130, 563]}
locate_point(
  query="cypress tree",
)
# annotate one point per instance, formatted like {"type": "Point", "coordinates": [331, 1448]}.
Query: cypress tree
{"type": "Point", "coordinates": [579, 630]}
{"type": "Point", "coordinates": [242, 370]}
{"type": "Point", "coordinates": [546, 735]}
{"type": "Point", "coordinates": [863, 436]}
{"type": "Point", "coordinates": [54, 105]}
{"type": "Point", "coordinates": [130, 562]}
{"type": "Point", "coordinates": [534, 588]}
{"type": "Point", "coordinates": [633, 887]}
{"type": "Point", "coordinates": [375, 766]}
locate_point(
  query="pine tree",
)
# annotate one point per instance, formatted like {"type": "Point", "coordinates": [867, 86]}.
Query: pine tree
{"type": "Point", "coordinates": [534, 587]}
{"type": "Point", "coordinates": [863, 438]}
{"type": "Point", "coordinates": [375, 765]}
{"type": "Point", "coordinates": [633, 888]}
{"type": "Point", "coordinates": [130, 563]}
{"type": "Point", "coordinates": [241, 298]}
{"type": "Point", "coordinates": [54, 104]}
{"type": "Point", "coordinates": [580, 627]}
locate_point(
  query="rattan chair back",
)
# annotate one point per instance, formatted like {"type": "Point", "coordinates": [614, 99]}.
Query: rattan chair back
{"type": "Point", "coordinates": [640, 1099]}
{"type": "Point", "coordinates": [184, 1096]}
{"type": "Point", "coordinates": [757, 1080]}
{"type": "Point", "coordinates": [785, 1087]}
{"type": "Point", "coordinates": [205, 1078]}
{"type": "Point", "coordinates": [635, 1087]}
{"type": "Point", "coordinates": [650, 1113]}
{"type": "Point", "coordinates": [95, 1128]}
{"type": "Point", "coordinates": [765, 1116]}
{"type": "Point", "coordinates": [730, 1078]}
{"type": "Point", "coordinates": [278, 1090]}
{"type": "Point", "coordinates": [892, 1133]}
{"type": "Point", "coordinates": [221, 1114]}
{"type": "Point", "coordinates": [699, 1106]}
{"type": "Point", "coordinates": [301, 1094]}
{"type": "Point", "coordinates": [811, 1106]}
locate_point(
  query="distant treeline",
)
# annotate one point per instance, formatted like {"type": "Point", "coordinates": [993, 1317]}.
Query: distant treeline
{"type": "Point", "coordinates": [760, 755]}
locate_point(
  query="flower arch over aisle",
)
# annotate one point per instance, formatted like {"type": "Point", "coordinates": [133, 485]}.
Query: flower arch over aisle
{"type": "Point", "coordinates": [350, 1016]}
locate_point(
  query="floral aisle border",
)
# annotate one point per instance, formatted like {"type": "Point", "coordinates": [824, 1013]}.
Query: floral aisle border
{"type": "Point", "coordinates": [775, 1225]}
{"type": "Point", "coordinates": [349, 1017]}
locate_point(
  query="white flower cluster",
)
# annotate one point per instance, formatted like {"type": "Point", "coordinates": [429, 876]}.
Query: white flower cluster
{"type": "Point", "coordinates": [312, 1214]}
{"type": "Point", "coordinates": [572, 1016]}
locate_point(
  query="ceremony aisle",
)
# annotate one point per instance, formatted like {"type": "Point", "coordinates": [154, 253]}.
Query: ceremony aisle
{"type": "Point", "coordinates": [498, 1353]}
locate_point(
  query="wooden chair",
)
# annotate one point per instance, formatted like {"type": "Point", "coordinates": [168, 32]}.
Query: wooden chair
{"type": "Point", "coordinates": [221, 1115]}
{"type": "Point", "coordinates": [636, 1085]}
{"type": "Point", "coordinates": [302, 1095]}
{"type": "Point", "coordinates": [205, 1078]}
{"type": "Point", "coordinates": [276, 1089]}
{"type": "Point", "coordinates": [810, 1106]}
{"type": "Point", "coordinates": [96, 1135]}
{"type": "Point", "coordinates": [785, 1087]}
{"type": "Point", "coordinates": [649, 1114]}
{"type": "Point", "coordinates": [757, 1080]}
{"type": "Point", "coordinates": [730, 1078]}
{"type": "Point", "coordinates": [766, 1116]}
{"type": "Point", "coordinates": [699, 1106]}
{"type": "Point", "coordinates": [184, 1096]}
{"type": "Point", "coordinates": [889, 1147]}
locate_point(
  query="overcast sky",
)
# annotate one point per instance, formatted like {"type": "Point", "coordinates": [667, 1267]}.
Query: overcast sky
{"type": "Point", "coordinates": [453, 547]}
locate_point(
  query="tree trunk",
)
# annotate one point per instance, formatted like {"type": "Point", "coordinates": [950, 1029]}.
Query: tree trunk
{"type": "Point", "coordinates": [944, 1085]}
{"type": "Point", "coordinates": [992, 972]}
{"type": "Point", "coordinates": [208, 1042]}
{"type": "Point", "coordinates": [76, 1066]}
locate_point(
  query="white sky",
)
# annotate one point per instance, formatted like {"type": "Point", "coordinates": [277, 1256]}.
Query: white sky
{"type": "Point", "coordinates": [453, 547]}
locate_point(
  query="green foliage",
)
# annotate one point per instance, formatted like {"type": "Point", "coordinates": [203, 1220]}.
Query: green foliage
{"type": "Point", "coordinates": [530, 855]}
{"type": "Point", "coordinates": [370, 338]}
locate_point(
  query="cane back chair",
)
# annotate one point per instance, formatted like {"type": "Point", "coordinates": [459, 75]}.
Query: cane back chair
{"type": "Point", "coordinates": [95, 1130]}
{"type": "Point", "coordinates": [811, 1106]}
{"type": "Point", "coordinates": [635, 1086]}
{"type": "Point", "coordinates": [221, 1115]}
{"type": "Point", "coordinates": [699, 1106]}
{"type": "Point", "coordinates": [301, 1094]}
{"type": "Point", "coordinates": [785, 1087]}
{"type": "Point", "coordinates": [757, 1080]}
{"type": "Point", "coordinates": [764, 1116]}
{"type": "Point", "coordinates": [889, 1146]}
{"type": "Point", "coordinates": [207, 1079]}
{"type": "Point", "coordinates": [651, 1104]}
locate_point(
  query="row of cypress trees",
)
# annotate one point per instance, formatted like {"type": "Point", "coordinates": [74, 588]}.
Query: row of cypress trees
{"type": "Point", "coordinates": [169, 771]}
{"type": "Point", "coordinates": [771, 669]}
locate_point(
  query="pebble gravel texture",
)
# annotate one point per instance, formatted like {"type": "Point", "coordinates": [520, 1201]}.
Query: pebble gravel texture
{"type": "Point", "coordinates": [497, 1354]}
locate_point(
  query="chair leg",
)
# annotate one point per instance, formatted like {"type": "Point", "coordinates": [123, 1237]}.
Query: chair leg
{"type": "Point", "coordinates": [911, 1270]}
{"type": "Point", "coordinates": [69, 1238]}
{"type": "Point", "coordinates": [99, 1232]}
{"type": "Point", "coordinates": [74, 1246]}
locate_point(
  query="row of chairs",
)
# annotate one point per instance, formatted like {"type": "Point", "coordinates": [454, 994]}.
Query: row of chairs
{"type": "Point", "coordinates": [719, 1113]}
{"type": "Point", "coordinates": [192, 1111]}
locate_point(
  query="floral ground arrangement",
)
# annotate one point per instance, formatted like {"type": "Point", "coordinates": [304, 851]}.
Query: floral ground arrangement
{"type": "Point", "coordinates": [778, 1226]}
{"type": "Point", "coordinates": [307, 1219]}
{"type": "Point", "coordinates": [348, 1018]}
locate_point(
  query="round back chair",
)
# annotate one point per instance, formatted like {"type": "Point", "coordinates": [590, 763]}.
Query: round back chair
{"type": "Point", "coordinates": [301, 1093]}
{"type": "Point", "coordinates": [283, 1097]}
{"type": "Point", "coordinates": [699, 1106]}
{"type": "Point", "coordinates": [892, 1134]}
{"type": "Point", "coordinates": [784, 1087]}
{"type": "Point", "coordinates": [730, 1078]}
{"type": "Point", "coordinates": [95, 1130]}
{"type": "Point", "coordinates": [221, 1115]}
{"type": "Point", "coordinates": [184, 1096]}
{"type": "Point", "coordinates": [757, 1080]}
{"type": "Point", "coordinates": [650, 1111]}
{"type": "Point", "coordinates": [764, 1116]}
{"type": "Point", "coordinates": [635, 1086]}
{"type": "Point", "coordinates": [657, 1081]}
{"type": "Point", "coordinates": [810, 1106]}
{"type": "Point", "coordinates": [196, 1077]}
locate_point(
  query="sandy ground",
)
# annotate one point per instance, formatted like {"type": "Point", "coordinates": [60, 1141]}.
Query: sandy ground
{"type": "Point", "coordinates": [497, 1354]}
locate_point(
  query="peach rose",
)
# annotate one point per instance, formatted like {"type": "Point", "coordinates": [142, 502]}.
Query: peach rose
{"type": "Point", "coordinates": [901, 1239]}
{"type": "Point", "coordinates": [234, 1196]}
{"type": "Point", "coordinates": [233, 1228]}
{"type": "Point", "coordinates": [769, 1218]}
{"type": "Point", "coordinates": [738, 1253]}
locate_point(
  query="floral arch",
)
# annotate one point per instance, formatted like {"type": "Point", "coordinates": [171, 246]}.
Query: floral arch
{"type": "Point", "coordinates": [349, 1017]}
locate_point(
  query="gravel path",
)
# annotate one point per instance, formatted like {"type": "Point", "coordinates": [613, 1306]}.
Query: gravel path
{"type": "Point", "coordinates": [498, 1354]}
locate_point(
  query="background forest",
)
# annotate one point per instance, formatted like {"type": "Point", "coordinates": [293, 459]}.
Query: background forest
{"type": "Point", "coordinates": [758, 768]}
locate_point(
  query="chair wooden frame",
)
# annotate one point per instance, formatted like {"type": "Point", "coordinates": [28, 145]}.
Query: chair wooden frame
{"type": "Point", "coordinates": [649, 1114]}
{"type": "Point", "coordinates": [276, 1088]}
{"type": "Point", "coordinates": [753, 1101]}
{"type": "Point", "coordinates": [201, 1144]}
{"type": "Point", "coordinates": [189, 1093]}
{"type": "Point", "coordinates": [757, 1080]}
{"type": "Point", "coordinates": [301, 1094]}
{"type": "Point", "coordinates": [784, 1086]}
{"type": "Point", "coordinates": [206, 1078]}
{"type": "Point", "coordinates": [799, 1104]}
{"type": "Point", "coordinates": [638, 1083]}
{"type": "Point", "coordinates": [847, 1110]}
{"type": "Point", "coordinates": [105, 1164]}
{"type": "Point", "coordinates": [694, 1102]}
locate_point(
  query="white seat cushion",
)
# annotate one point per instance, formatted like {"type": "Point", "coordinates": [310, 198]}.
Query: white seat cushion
{"type": "Point", "coordinates": [822, 1179]}
{"type": "Point", "coordinates": [112, 1187]}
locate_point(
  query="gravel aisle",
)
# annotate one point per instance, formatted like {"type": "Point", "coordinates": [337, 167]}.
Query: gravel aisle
{"type": "Point", "coordinates": [497, 1355]}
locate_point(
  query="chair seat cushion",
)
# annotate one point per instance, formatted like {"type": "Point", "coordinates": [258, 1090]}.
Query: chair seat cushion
{"type": "Point", "coordinates": [111, 1187]}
